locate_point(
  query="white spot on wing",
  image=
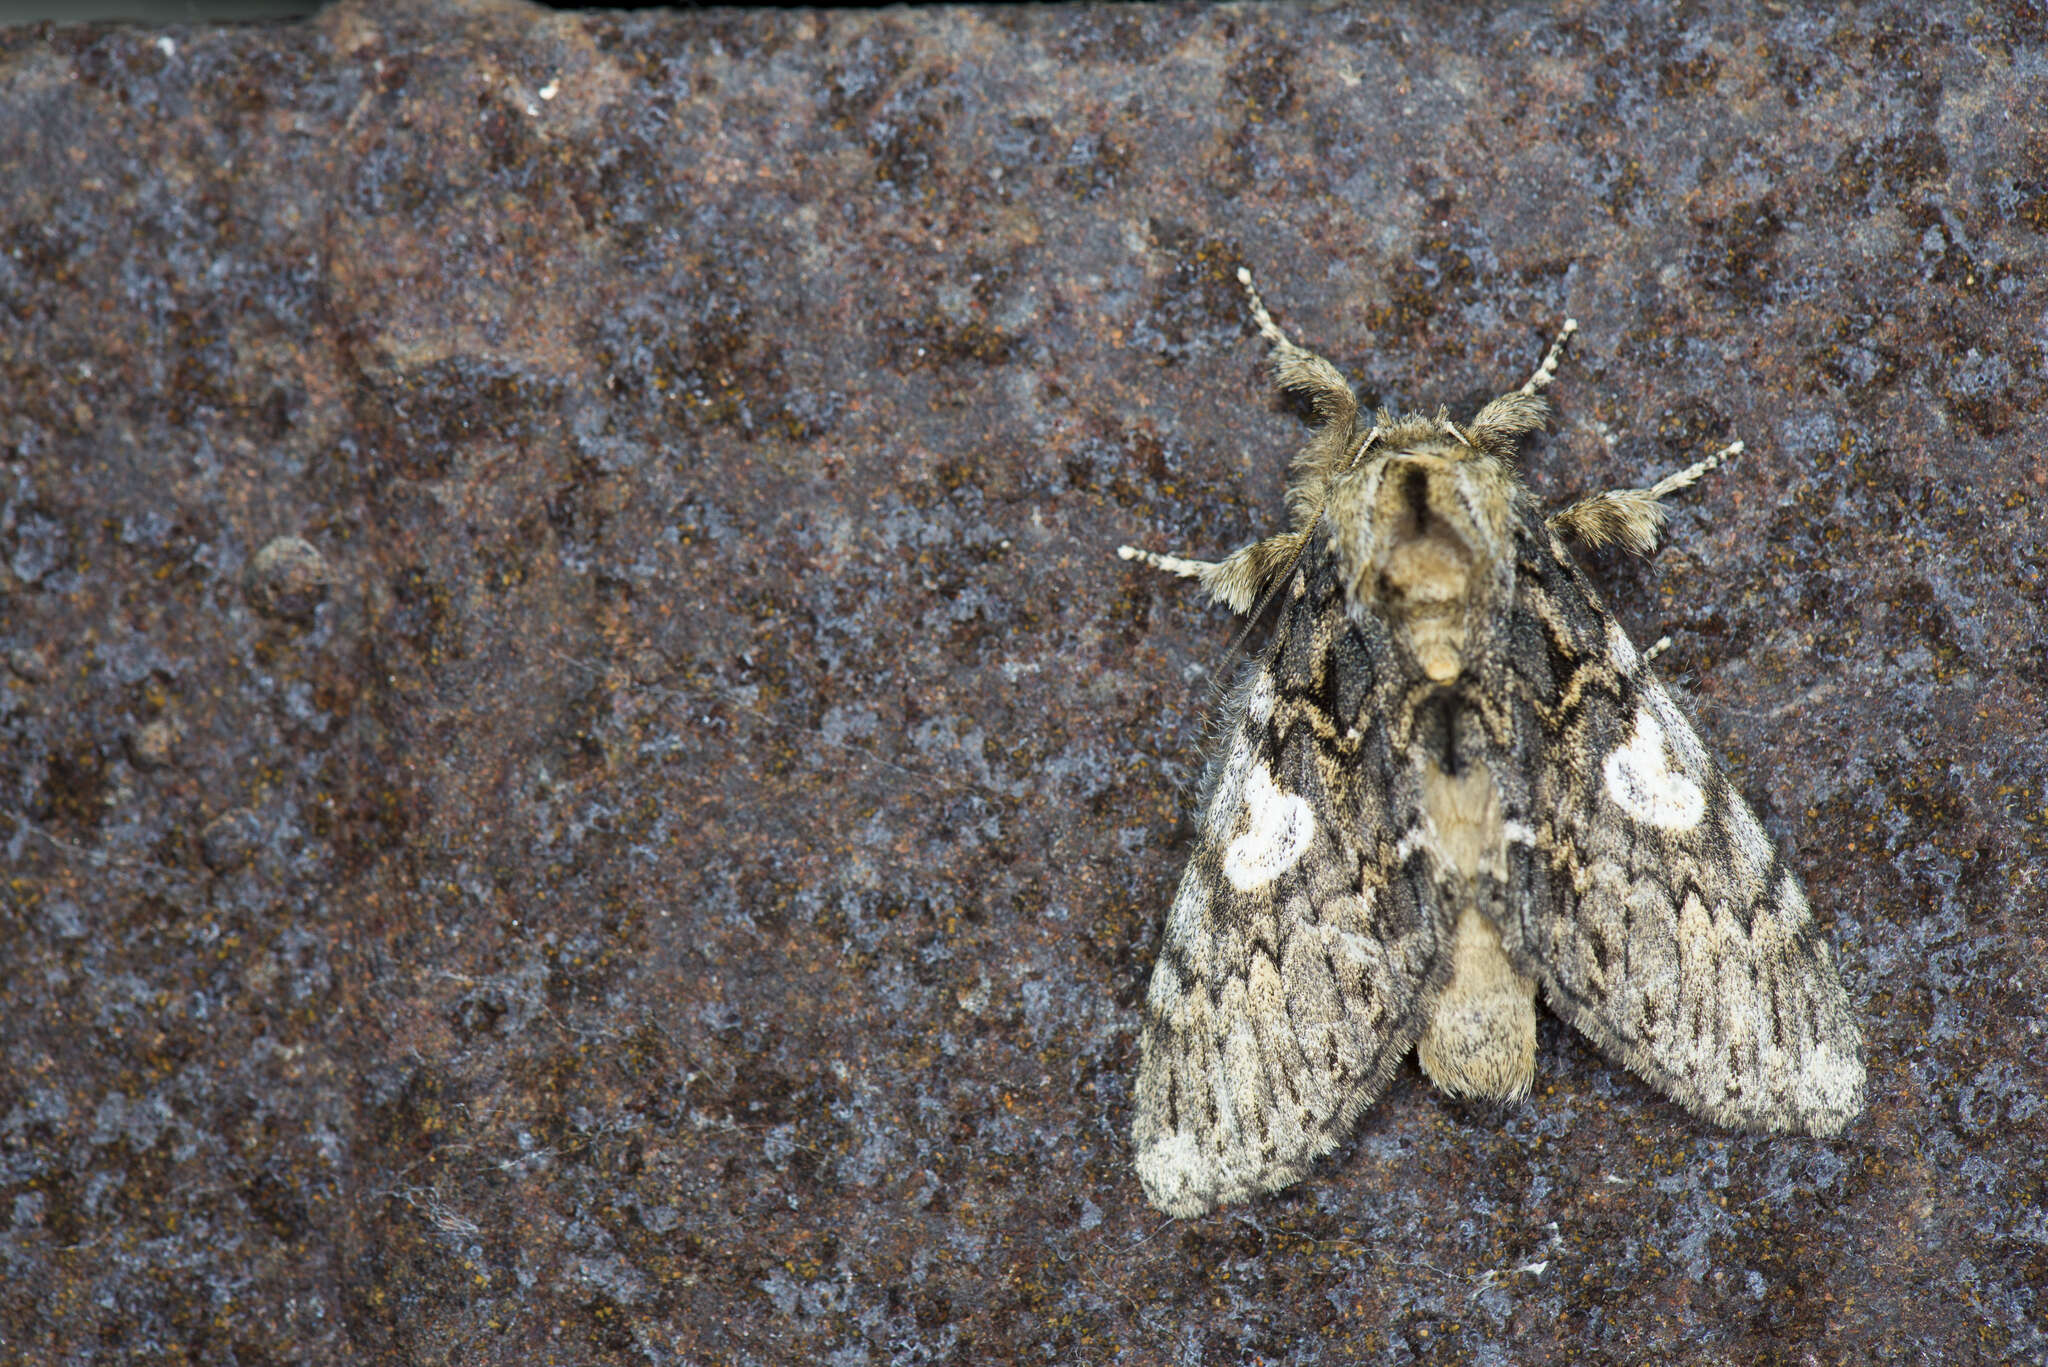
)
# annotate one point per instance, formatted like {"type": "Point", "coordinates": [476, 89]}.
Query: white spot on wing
{"type": "Point", "coordinates": [1751, 847]}
{"type": "Point", "coordinates": [1279, 834]}
{"type": "Point", "coordinates": [1258, 705]}
{"type": "Point", "coordinates": [1620, 650]}
{"type": "Point", "coordinates": [1184, 923]}
{"type": "Point", "coordinates": [1165, 992]}
{"type": "Point", "coordinates": [1833, 1079]}
{"type": "Point", "coordinates": [1175, 1171]}
{"type": "Point", "coordinates": [1749, 835]}
{"type": "Point", "coordinates": [1228, 795]}
{"type": "Point", "coordinates": [1643, 784]}
{"type": "Point", "coordinates": [1678, 732]}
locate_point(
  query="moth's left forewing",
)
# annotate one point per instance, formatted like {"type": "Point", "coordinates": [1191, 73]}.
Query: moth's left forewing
{"type": "Point", "coordinates": [1663, 921]}
{"type": "Point", "coordinates": [1298, 949]}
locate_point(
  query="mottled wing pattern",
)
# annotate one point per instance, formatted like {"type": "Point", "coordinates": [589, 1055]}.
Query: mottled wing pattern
{"type": "Point", "coordinates": [1299, 954]}
{"type": "Point", "coordinates": [1666, 925]}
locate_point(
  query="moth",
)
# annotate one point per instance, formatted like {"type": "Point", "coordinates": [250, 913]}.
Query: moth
{"type": "Point", "coordinates": [1450, 780]}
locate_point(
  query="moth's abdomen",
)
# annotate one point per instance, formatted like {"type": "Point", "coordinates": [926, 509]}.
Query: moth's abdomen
{"type": "Point", "coordinates": [1481, 1037]}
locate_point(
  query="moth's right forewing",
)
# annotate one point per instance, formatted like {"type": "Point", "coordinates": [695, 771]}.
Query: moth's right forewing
{"type": "Point", "coordinates": [1669, 928]}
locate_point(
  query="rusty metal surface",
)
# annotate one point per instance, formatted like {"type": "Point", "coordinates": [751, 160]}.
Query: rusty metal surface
{"type": "Point", "coordinates": [579, 782]}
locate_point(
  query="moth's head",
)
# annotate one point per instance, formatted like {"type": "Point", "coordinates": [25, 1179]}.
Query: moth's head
{"type": "Point", "coordinates": [1422, 535]}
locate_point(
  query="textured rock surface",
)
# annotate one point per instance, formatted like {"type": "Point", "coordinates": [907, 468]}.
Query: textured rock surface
{"type": "Point", "coordinates": [579, 782]}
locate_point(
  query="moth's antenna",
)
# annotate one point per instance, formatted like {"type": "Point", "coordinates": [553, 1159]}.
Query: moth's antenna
{"type": "Point", "coordinates": [1268, 329]}
{"type": "Point", "coordinates": [1285, 349]}
{"type": "Point", "coordinates": [1547, 372]}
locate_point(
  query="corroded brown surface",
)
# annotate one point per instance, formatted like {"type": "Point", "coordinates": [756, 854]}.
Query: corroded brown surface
{"type": "Point", "coordinates": [579, 782]}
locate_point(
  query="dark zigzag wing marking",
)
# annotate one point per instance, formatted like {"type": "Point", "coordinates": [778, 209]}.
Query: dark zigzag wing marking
{"type": "Point", "coordinates": [1300, 950]}
{"type": "Point", "coordinates": [1664, 923]}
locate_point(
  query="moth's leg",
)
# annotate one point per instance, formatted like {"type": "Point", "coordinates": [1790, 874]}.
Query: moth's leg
{"type": "Point", "coordinates": [1631, 517]}
{"type": "Point", "coordinates": [1238, 579]}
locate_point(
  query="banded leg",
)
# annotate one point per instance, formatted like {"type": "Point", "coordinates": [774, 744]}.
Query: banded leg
{"type": "Point", "coordinates": [1239, 579]}
{"type": "Point", "coordinates": [1631, 517]}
